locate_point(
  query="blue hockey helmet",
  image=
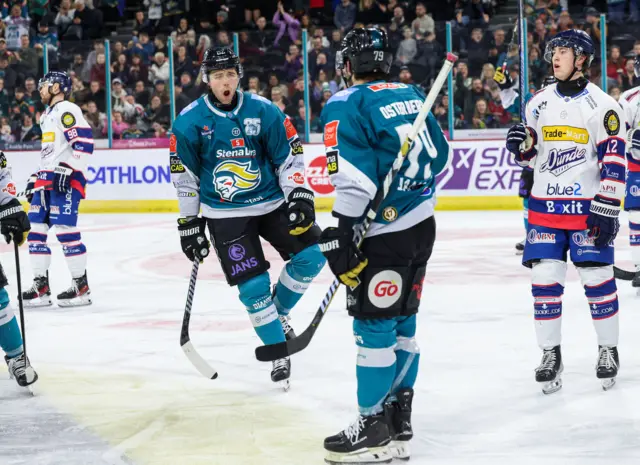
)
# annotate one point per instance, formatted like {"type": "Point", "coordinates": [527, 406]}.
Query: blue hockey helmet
{"type": "Point", "coordinates": [59, 77]}
{"type": "Point", "coordinates": [575, 39]}
{"type": "Point", "coordinates": [219, 58]}
{"type": "Point", "coordinates": [367, 50]}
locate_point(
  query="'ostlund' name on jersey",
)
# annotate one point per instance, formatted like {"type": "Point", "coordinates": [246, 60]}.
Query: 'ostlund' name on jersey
{"type": "Point", "coordinates": [407, 107]}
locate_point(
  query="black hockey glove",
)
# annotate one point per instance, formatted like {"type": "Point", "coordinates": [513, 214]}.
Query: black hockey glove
{"type": "Point", "coordinates": [300, 211]}
{"type": "Point", "coordinates": [526, 183]}
{"type": "Point", "coordinates": [602, 222]}
{"type": "Point", "coordinates": [14, 223]}
{"type": "Point", "coordinates": [345, 259]}
{"type": "Point", "coordinates": [31, 184]}
{"type": "Point", "coordinates": [62, 177]}
{"type": "Point", "coordinates": [521, 141]}
{"type": "Point", "coordinates": [192, 238]}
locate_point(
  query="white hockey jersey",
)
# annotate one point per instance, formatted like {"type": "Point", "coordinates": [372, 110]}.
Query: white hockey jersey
{"type": "Point", "coordinates": [66, 138]}
{"type": "Point", "coordinates": [580, 153]}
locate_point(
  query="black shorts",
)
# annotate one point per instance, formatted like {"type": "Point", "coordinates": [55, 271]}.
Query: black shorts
{"type": "Point", "coordinates": [391, 284]}
{"type": "Point", "coordinates": [237, 242]}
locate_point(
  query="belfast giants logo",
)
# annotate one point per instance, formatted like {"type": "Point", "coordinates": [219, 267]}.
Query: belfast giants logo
{"type": "Point", "coordinates": [560, 161]}
{"type": "Point", "coordinates": [232, 177]}
{"type": "Point", "coordinates": [237, 253]}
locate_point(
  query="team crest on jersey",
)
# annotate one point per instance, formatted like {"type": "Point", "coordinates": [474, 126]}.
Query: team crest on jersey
{"type": "Point", "coordinates": [611, 123]}
{"type": "Point", "coordinates": [252, 126]}
{"type": "Point", "coordinates": [561, 161]}
{"type": "Point", "coordinates": [390, 214]}
{"type": "Point", "coordinates": [233, 177]}
{"type": "Point", "coordinates": [68, 120]}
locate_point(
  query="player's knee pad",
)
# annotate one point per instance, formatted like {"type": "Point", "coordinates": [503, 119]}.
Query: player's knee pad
{"type": "Point", "coordinates": [302, 268]}
{"type": "Point", "coordinates": [376, 342]}
{"type": "Point", "coordinates": [547, 288]}
{"type": "Point", "coordinates": [408, 344]}
{"type": "Point", "coordinates": [256, 297]}
{"type": "Point", "coordinates": [242, 258]}
{"type": "Point", "coordinates": [6, 311]}
{"type": "Point", "coordinates": [37, 239]}
{"type": "Point", "coordinates": [386, 292]}
{"type": "Point", "coordinates": [601, 291]}
{"type": "Point", "coordinates": [70, 240]}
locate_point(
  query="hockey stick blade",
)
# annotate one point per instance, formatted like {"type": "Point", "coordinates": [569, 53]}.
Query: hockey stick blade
{"type": "Point", "coordinates": [185, 341]}
{"type": "Point", "coordinates": [269, 353]}
{"type": "Point", "coordinates": [624, 275]}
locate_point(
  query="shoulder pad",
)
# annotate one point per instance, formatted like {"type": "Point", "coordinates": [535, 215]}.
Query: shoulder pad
{"type": "Point", "coordinates": [343, 95]}
{"type": "Point", "coordinates": [259, 98]}
{"type": "Point", "coordinates": [189, 107]}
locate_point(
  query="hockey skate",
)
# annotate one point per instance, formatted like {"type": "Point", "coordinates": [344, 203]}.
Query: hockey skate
{"type": "Point", "coordinates": [398, 414]}
{"type": "Point", "coordinates": [286, 327]}
{"type": "Point", "coordinates": [607, 366]}
{"type": "Point", "coordinates": [20, 369]}
{"type": "Point", "coordinates": [366, 441]}
{"type": "Point", "coordinates": [78, 295]}
{"type": "Point", "coordinates": [550, 370]}
{"type": "Point", "coordinates": [39, 294]}
{"type": "Point", "coordinates": [281, 372]}
{"type": "Point", "coordinates": [635, 282]}
{"type": "Point", "coordinates": [520, 247]}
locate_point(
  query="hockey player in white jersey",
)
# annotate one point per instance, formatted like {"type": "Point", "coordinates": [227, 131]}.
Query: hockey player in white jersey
{"type": "Point", "coordinates": [630, 102]}
{"type": "Point", "coordinates": [573, 137]}
{"type": "Point", "coordinates": [14, 225]}
{"type": "Point", "coordinates": [67, 142]}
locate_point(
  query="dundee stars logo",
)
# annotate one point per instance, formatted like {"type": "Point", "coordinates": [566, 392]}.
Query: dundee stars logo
{"type": "Point", "coordinates": [232, 177]}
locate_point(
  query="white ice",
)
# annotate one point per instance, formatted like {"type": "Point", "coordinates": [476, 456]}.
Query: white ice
{"type": "Point", "coordinates": [115, 388]}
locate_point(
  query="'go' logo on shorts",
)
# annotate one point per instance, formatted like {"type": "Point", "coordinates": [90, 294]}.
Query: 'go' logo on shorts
{"type": "Point", "coordinates": [385, 288]}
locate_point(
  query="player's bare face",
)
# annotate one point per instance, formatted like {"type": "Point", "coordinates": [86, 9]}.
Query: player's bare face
{"type": "Point", "coordinates": [223, 84]}
{"type": "Point", "coordinates": [562, 61]}
{"type": "Point", "coordinates": [44, 93]}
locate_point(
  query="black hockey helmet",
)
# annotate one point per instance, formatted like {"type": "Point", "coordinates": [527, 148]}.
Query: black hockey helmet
{"type": "Point", "coordinates": [218, 58]}
{"type": "Point", "coordinates": [367, 50]}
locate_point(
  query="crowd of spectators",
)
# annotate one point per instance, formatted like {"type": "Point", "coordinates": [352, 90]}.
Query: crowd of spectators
{"type": "Point", "coordinates": [270, 46]}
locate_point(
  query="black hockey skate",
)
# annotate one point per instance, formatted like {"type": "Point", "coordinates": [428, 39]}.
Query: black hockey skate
{"type": "Point", "coordinates": [281, 372]}
{"type": "Point", "coordinates": [286, 327]}
{"type": "Point", "coordinates": [607, 367]}
{"type": "Point", "coordinates": [39, 294]}
{"type": "Point", "coordinates": [77, 295]}
{"type": "Point", "coordinates": [635, 282]}
{"type": "Point", "coordinates": [398, 413]}
{"type": "Point", "coordinates": [520, 247]}
{"type": "Point", "coordinates": [366, 441]}
{"type": "Point", "coordinates": [550, 370]}
{"type": "Point", "coordinates": [20, 369]}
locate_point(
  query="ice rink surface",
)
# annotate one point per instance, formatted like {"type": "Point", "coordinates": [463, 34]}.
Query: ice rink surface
{"type": "Point", "coordinates": [115, 387]}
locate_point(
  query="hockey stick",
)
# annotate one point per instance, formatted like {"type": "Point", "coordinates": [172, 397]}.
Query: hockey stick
{"type": "Point", "coordinates": [272, 352]}
{"type": "Point", "coordinates": [624, 275]}
{"type": "Point", "coordinates": [28, 192]}
{"type": "Point", "coordinates": [523, 61]}
{"type": "Point", "coordinates": [185, 341]}
{"type": "Point", "coordinates": [16, 249]}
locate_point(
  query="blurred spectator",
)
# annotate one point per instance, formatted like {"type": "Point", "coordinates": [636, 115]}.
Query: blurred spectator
{"type": "Point", "coordinates": [254, 86]}
{"type": "Point", "coordinates": [8, 74]}
{"type": "Point", "coordinates": [615, 92]}
{"type": "Point", "coordinates": [137, 71]}
{"type": "Point", "coordinates": [79, 93]}
{"type": "Point", "coordinates": [336, 40]}
{"type": "Point", "coordinates": [474, 15]}
{"type": "Point", "coordinates": [4, 99]}
{"type": "Point", "coordinates": [97, 94]}
{"type": "Point", "coordinates": [156, 117]}
{"type": "Point", "coordinates": [297, 98]}
{"type": "Point", "coordinates": [429, 56]}
{"type": "Point", "coordinates": [160, 89]}
{"type": "Point", "coordinates": [28, 132]}
{"type": "Point", "coordinates": [16, 26]}
{"type": "Point", "coordinates": [6, 52]}
{"type": "Point", "coordinates": [293, 62]}
{"type": "Point", "coordinates": [183, 63]}
{"type": "Point", "coordinates": [27, 58]}
{"type": "Point", "coordinates": [317, 49]}
{"type": "Point", "coordinates": [96, 119]}
{"type": "Point", "coordinates": [132, 110]}
{"type": "Point", "coordinates": [538, 68]}
{"type": "Point", "coordinates": [142, 95]}
{"type": "Point", "coordinates": [154, 12]}
{"type": "Point", "coordinates": [159, 45]}
{"type": "Point", "coordinates": [188, 87]}
{"type": "Point", "coordinates": [405, 75]}
{"type": "Point", "coordinates": [91, 22]}
{"type": "Point", "coordinates": [38, 9]}
{"type": "Point", "coordinates": [371, 12]}
{"type": "Point", "coordinates": [321, 84]}
{"type": "Point", "coordinates": [487, 74]}
{"type": "Point", "coordinates": [172, 11]}
{"type": "Point", "coordinates": [5, 134]}
{"type": "Point", "coordinates": [477, 52]}
{"type": "Point", "coordinates": [278, 99]}
{"type": "Point", "coordinates": [424, 23]}
{"type": "Point", "coordinates": [223, 40]}
{"type": "Point", "coordinates": [144, 47]}
{"type": "Point", "coordinates": [615, 64]}
{"type": "Point", "coordinates": [222, 21]}
{"type": "Point", "coordinates": [98, 47]}
{"type": "Point", "coordinates": [203, 44]}
{"type": "Point", "coordinates": [118, 125]}
{"type": "Point", "coordinates": [98, 71]}
{"type": "Point", "coordinates": [397, 22]}
{"type": "Point", "coordinates": [141, 24]}
{"type": "Point", "coordinates": [498, 47]}
{"type": "Point", "coordinates": [159, 68]}
{"type": "Point", "coordinates": [204, 26]}
{"type": "Point", "coordinates": [285, 23]}
{"type": "Point", "coordinates": [32, 93]}
{"type": "Point", "coordinates": [345, 15]}
{"type": "Point", "coordinates": [44, 36]}
{"type": "Point", "coordinates": [182, 100]}
{"type": "Point", "coordinates": [482, 119]}
{"type": "Point", "coordinates": [64, 18]}
{"type": "Point", "coordinates": [474, 94]}
{"type": "Point", "coordinates": [407, 50]}
{"type": "Point", "coordinates": [132, 132]}
{"type": "Point", "coordinates": [592, 26]}
{"type": "Point", "coordinates": [120, 69]}
{"type": "Point", "coordinates": [251, 11]}
{"type": "Point", "coordinates": [300, 119]}
{"type": "Point", "coordinates": [274, 81]}
{"type": "Point", "coordinates": [118, 95]}
{"type": "Point", "coordinates": [628, 78]}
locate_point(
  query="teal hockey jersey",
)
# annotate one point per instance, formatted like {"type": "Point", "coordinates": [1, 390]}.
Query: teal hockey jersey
{"type": "Point", "coordinates": [364, 127]}
{"type": "Point", "coordinates": [238, 163]}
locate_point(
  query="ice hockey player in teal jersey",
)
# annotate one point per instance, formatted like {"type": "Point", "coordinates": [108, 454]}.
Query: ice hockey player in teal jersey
{"type": "Point", "coordinates": [237, 158]}
{"type": "Point", "coordinates": [364, 127]}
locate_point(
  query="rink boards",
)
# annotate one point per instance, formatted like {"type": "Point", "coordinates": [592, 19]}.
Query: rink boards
{"type": "Point", "coordinates": [481, 175]}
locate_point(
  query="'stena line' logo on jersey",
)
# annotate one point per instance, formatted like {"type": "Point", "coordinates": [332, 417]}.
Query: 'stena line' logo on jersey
{"type": "Point", "coordinates": [560, 161]}
{"type": "Point", "coordinates": [232, 177]}
{"type": "Point", "coordinates": [331, 133]}
{"type": "Point", "coordinates": [565, 133]}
